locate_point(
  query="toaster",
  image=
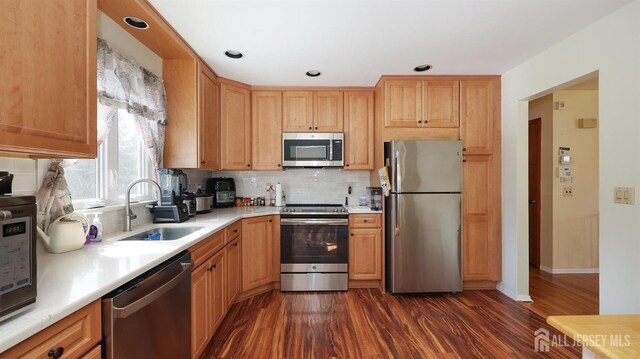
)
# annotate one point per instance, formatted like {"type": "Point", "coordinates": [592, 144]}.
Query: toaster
{"type": "Point", "coordinates": [223, 191]}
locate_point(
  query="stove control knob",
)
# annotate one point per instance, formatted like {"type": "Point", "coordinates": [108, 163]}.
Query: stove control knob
{"type": "Point", "coordinates": [293, 209]}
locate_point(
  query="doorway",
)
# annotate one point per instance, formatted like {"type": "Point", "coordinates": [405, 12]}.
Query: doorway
{"type": "Point", "coordinates": [563, 200]}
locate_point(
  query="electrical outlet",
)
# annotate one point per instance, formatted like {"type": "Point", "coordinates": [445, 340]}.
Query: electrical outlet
{"type": "Point", "coordinates": [624, 195]}
{"type": "Point", "coordinates": [568, 191]}
{"type": "Point", "coordinates": [350, 188]}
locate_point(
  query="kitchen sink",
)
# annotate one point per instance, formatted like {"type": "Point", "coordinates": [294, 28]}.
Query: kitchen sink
{"type": "Point", "coordinates": [162, 234]}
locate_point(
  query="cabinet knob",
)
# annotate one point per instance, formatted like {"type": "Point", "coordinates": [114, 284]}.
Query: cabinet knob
{"type": "Point", "coordinates": [464, 149]}
{"type": "Point", "coordinates": [347, 165]}
{"type": "Point", "coordinates": [214, 266]}
{"type": "Point", "coordinates": [351, 234]}
{"type": "Point", "coordinates": [279, 165]}
{"type": "Point", "coordinates": [311, 128]}
{"type": "Point", "coordinates": [419, 121]}
{"type": "Point", "coordinates": [316, 128]}
{"type": "Point", "coordinates": [201, 162]}
{"type": "Point", "coordinates": [235, 231]}
{"type": "Point", "coordinates": [426, 121]}
{"type": "Point", "coordinates": [271, 220]}
{"type": "Point", "coordinates": [365, 221]}
{"type": "Point", "coordinates": [210, 269]}
{"type": "Point", "coordinates": [464, 160]}
{"type": "Point", "coordinates": [56, 353]}
{"type": "Point", "coordinates": [235, 244]}
{"type": "Point", "coordinates": [248, 165]}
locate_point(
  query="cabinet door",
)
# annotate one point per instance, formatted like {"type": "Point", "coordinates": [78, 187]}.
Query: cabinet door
{"type": "Point", "coordinates": [403, 103]}
{"type": "Point", "coordinates": [235, 107]}
{"type": "Point", "coordinates": [358, 130]}
{"type": "Point", "coordinates": [232, 256]}
{"type": "Point", "coordinates": [209, 150]}
{"type": "Point", "coordinates": [478, 107]}
{"type": "Point", "coordinates": [95, 353]}
{"type": "Point", "coordinates": [441, 103]}
{"type": "Point", "coordinates": [479, 240]}
{"type": "Point", "coordinates": [328, 111]}
{"type": "Point", "coordinates": [257, 252]}
{"type": "Point", "coordinates": [365, 253]}
{"type": "Point", "coordinates": [200, 309]}
{"type": "Point", "coordinates": [267, 130]}
{"type": "Point", "coordinates": [297, 111]}
{"type": "Point", "coordinates": [217, 280]}
{"type": "Point", "coordinates": [48, 77]}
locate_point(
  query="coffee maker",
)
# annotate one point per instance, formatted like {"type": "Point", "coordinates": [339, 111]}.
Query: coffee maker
{"type": "Point", "coordinates": [375, 198]}
{"type": "Point", "coordinates": [172, 209]}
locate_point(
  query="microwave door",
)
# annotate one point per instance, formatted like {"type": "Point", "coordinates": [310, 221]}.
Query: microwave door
{"type": "Point", "coordinates": [311, 153]}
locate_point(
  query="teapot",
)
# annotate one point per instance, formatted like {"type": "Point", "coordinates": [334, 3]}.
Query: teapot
{"type": "Point", "coordinates": [65, 233]}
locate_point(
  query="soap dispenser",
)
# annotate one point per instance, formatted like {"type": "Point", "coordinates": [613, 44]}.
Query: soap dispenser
{"type": "Point", "coordinates": [95, 231]}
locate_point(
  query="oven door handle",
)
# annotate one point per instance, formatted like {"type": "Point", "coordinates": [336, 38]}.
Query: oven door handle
{"type": "Point", "coordinates": [307, 221]}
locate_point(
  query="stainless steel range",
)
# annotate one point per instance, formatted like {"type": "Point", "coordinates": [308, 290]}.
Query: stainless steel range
{"type": "Point", "coordinates": [314, 248]}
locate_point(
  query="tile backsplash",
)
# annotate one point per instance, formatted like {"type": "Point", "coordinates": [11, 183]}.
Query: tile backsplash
{"type": "Point", "coordinates": [25, 180]}
{"type": "Point", "coordinates": [322, 186]}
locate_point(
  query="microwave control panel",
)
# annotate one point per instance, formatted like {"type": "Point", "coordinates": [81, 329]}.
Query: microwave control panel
{"type": "Point", "coordinates": [15, 258]}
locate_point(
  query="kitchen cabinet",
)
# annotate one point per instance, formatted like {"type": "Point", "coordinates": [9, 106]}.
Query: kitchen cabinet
{"type": "Point", "coordinates": [257, 252]}
{"type": "Point", "coordinates": [413, 103]}
{"type": "Point", "coordinates": [297, 111]}
{"type": "Point", "coordinates": [192, 134]}
{"type": "Point", "coordinates": [358, 130]}
{"type": "Point", "coordinates": [440, 103]}
{"type": "Point", "coordinates": [403, 103]}
{"type": "Point", "coordinates": [232, 256]}
{"type": "Point", "coordinates": [328, 111]}
{"type": "Point", "coordinates": [217, 284]}
{"type": "Point", "coordinates": [267, 130]}
{"type": "Point", "coordinates": [48, 102]}
{"type": "Point", "coordinates": [365, 246]}
{"type": "Point", "coordinates": [479, 108]}
{"type": "Point", "coordinates": [209, 135]}
{"type": "Point", "coordinates": [201, 308]}
{"type": "Point", "coordinates": [235, 121]}
{"type": "Point", "coordinates": [481, 247]}
{"type": "Point", "coordinates": [75, 336]}
{"type": "Point", "coordinates": [95, 353]}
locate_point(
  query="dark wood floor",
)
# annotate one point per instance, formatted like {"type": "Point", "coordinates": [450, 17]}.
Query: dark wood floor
{"type": "Point", "coordinates": [563, 294]}
{"type": "Point", "coordinates": [364, 323]}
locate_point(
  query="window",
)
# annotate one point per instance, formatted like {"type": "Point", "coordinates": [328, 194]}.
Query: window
{"type": "Point", "coordinates": [122, 158]}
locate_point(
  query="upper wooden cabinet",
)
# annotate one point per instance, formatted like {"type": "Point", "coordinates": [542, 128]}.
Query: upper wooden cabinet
{"type": "Point", "coordinates": [235, 120]}
{"type": "Point", "coordinates": [257, 252]}
{"type": "Point", "coordinates": [440, 104]}
{"type": "Point", "coordinates": [298, 111]}
{"type": "Point", "coordinates": [193, 131]}
{"type": "Point", "coordinates": [48, 78]}
{"type": "Point", "coordinates": [403, 103]}
{"type": "Point", "coordinates": [328, 111]}
{"type": "Point", "coordinates": [414, 103]}
{"type": "Point", "coordinates": [479, 108]}
{"type": "Point", "coordinates": [209, 141]}
{"type": "Point", "coordinates": [358, 130]}
{"type": "Point", "coordinates": [313, 111]}
{"type": "Point", "coordinates": [266, 130]}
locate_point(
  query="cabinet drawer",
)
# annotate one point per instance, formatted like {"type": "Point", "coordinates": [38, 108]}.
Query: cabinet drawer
{"type": "Point", "coordinates": [208, 247]}
{"type": "Point", "coordinates": [95, 353]}
{"type": "Point", "coordinates": [233, 231]}
{"type": "Point", "coordinates": [365, 220]}
{"type": "Point", "coordinates": [74, 335]}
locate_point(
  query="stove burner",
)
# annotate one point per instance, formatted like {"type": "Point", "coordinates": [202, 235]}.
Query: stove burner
{"type": "Point", "coordinates": [314, 209]}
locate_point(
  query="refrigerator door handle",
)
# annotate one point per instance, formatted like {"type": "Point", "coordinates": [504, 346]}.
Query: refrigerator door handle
{"type": "Point", "coordinates": [397, 174]}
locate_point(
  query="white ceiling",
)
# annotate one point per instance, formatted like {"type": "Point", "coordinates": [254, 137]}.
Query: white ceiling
{"type": "Point", "coordinates": [354, 42]}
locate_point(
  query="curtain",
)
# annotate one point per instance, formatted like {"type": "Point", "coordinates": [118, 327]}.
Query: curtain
{"type": "Point", "coordinates": [122, 84]}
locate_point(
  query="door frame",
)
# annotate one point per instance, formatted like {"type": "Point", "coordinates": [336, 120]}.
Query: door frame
{"type": "Point", "coordinates": [538, 123]}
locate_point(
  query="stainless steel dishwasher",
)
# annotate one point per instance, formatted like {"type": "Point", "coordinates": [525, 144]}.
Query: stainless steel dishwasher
{"type": "Point", "coordinates": [150, 317]}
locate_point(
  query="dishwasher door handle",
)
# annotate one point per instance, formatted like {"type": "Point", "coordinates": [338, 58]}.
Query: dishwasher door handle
{"type": "Point", "coordinates": [121, 313]}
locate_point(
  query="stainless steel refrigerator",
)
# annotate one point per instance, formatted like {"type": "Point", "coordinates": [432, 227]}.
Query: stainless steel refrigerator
{"type": "Point", "coordinates": [423, 216]}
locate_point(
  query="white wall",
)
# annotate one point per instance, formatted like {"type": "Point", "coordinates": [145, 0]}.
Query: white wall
{"type": "Point", "coordinates": [610, 46]}
{"type": "Point", "coordinates": [25, 179]}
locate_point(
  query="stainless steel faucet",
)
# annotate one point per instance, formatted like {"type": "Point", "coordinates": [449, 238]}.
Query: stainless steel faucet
{"type": "Point", "coordinates": [128, 215]}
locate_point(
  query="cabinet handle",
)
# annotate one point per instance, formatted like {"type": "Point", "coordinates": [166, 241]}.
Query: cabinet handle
{"type": "Point", "coordinates": [311, 128]}
{"type": "Point", "coordinates": [347, 165]}
{"type": "Point", "coordinates": [316, 128]}
{"type": "Point", "coordinates": [210, 268]}
{"type": "Point", "coordinates": [271, 220]}
{"type": "Point", "coordinates": [248, 165]}
{"type": "Point", "coordinates": [235, 244]}
{"type": "Point", "coordinates": [464, 149]}
{"type": "Point", "coordinates": [279, 165]}
{"type": "Point", "coordinates": [56, 353]}
{"type": "Point", "coordinates": [426, 121]}
{"type": "Point", "coordinates": [235, 231]}
{"type": "Point", "coordinates": [464, 160]}
{"type": "Point", "coordinates": [351, 234]}
{"type": "Point", "coordinates": [201, 162]}
{"type": "Point", "coordinates": [365, 221]}
{"type": "Point", "coordinates": [214, 266]}
{"type": "Point", "coordinates": [419, 121]}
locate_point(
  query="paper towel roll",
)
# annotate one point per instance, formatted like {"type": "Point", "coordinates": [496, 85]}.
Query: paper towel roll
{"type": "Point", "coordinates": [278, 195]}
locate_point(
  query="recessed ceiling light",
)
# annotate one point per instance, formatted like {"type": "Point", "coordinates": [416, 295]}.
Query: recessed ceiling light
{"type": "Point", "coordinates": [422, 68]}
{"type": "Point", "coordinates": [233, 54]}
{"type": "Point", "coordinates": [313, 73]}
{"type": "Point", "coordinates": [136, 23]}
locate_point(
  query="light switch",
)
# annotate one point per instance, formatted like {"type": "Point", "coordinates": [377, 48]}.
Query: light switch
{"type": "Point", "coordinates": [624, 195]}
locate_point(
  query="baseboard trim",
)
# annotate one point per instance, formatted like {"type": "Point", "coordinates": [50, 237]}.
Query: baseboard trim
{"type": "Point", "coordinates": [570, 270]}
{"type": "Point", "coordinates": [364, 284]}
{"type": "Point", "coordinates": [512, 295]}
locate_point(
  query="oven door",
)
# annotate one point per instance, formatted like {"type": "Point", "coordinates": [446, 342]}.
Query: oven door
{"type": "Point", "coordinates": [312, 150]}
{"type": "Point", "coordinates": [306, 242]}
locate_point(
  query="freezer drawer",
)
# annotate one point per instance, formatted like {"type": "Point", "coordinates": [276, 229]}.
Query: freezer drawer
{"type": "Point", "coordinates": [423, 243]}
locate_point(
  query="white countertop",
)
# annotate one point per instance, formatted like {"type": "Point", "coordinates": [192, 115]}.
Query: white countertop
{"type": "Point", "coordinates": [69, 281]}
{"type": "Point", "coordinates": [360, 209]}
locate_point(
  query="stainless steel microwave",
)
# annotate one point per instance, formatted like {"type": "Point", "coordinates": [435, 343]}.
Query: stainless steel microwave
{"type": "Point", "coordinates": [313, 149]}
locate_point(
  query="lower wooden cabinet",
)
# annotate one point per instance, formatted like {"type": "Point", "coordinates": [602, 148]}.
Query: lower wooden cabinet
{"type": "Point", "coordinates": [74, 336]}
{"type": "Point", "coordinates": [200, 309]}
{"type": "Point", "coordinates": [95, 353]}
{"type": "Point", "coordinates": [480, 242]}
{"type": "Point", "coordinates": [365, 246]}
{"type": "Point", "coordinates": [232, 256]}
{"type": "Point", "coordinates": [257, 252]}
